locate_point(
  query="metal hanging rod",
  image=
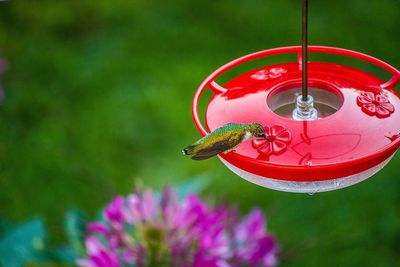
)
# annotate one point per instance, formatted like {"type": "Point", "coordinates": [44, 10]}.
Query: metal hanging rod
{"type": "Point", "coordinates": [304, 43]}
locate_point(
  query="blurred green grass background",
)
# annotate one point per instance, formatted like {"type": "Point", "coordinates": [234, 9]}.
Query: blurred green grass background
{"type": "Point", "coordinates": [98, 97]}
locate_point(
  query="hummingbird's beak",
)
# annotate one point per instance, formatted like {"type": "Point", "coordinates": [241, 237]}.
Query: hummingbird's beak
{"type": "Point", "coordinates": [267, 138]}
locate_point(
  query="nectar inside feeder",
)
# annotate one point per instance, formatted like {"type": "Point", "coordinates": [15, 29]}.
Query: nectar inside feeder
{"type": "Point", "coordinates": [344, 130]}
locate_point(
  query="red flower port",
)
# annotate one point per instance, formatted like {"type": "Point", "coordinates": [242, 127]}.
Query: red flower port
{"type": "Point", "coordinates": [375, 105]}
{"type": "Point", "coordinates": [278, 137]}
{"type": "Point", "coordinates": [265, 74]}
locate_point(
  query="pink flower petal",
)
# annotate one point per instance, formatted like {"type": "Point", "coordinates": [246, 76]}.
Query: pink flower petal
{"type": "Point", "coordinates": [258, 142]}
{"type": "Point", "coordinates": [93, 246]}
{"type": "Point", "coordinates": [135, 213]}
{"type": "Point", "coordinates": [268, 130]}
{"type": "Point", "coordinates": [85, 263]}
{"type": "Point", "coordinates": [278, 147]}
{"type": "Point", "coordinates": [251, 226]}
{"type": "Point", "coordinates": [284, 136]}
{"type": "Point", "coordinates": [381, 112]}
{"type": "Point", "coordinates": [388, 106]}
{"type": "Point", "coordinates": [260, 75]}
{"type": "Point", "coordinates": [276, 72]}
{"type": "Point", "coordinates": [381, 99]}
{"type": "Point", "coordinates": [277, 129]}
{"type": "Point", "coordinates": [114, 212]}
{"type": "Point", "coordinates": [370, 109]}
{"type": "Point", "coordinates": [149, 205]}
{"type": "Point", "coordinates": [266, 149]}
{"type": "Point", "coordinates": [369, 95]}
{"type": "Point", "coordinates": [362, 100]}
{"type": "Point", "coordinates": [98, 228]}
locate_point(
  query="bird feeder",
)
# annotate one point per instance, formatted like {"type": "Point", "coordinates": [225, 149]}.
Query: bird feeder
{"type": "Point", "coordinates": [329, 125]}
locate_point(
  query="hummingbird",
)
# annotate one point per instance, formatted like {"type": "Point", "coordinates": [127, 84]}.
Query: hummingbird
{"type": "Point", "coordinates": [224, 140]}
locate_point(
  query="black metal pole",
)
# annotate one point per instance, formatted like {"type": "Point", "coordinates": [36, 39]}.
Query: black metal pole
{"type": "Point", "coordinates": [304, 42]}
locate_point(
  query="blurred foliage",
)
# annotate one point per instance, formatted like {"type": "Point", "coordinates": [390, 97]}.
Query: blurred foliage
{"type": "Point", "coordinates": [26, 244]}
{"type": "Point", "coordinates": [75, 227]}
{"type": "Point", "coordinates": [98, 97]}
{"type": "Point", "coordinates": [22, 244]}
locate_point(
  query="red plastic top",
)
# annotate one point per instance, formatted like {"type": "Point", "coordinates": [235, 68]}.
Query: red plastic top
{"type": "Point", "coordinates": [361, 134]}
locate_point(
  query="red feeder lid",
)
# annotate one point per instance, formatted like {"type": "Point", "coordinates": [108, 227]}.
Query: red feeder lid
{"type": "Point", "coordinates": [362, 133]}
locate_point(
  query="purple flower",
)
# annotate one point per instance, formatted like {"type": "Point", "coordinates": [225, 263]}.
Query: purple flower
{"type": "Point", "coordinates": [146, 229]}
{"type": "Point", "coordinates": [97, 227]}
{"type": "Point", "coordinates": [114, 211]}
{"type": "Point", "coordinates": [98, 256]}
{"type": "Point", "coordinates": [252, 245]}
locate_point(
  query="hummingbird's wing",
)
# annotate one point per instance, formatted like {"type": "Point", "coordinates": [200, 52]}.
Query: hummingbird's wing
{"type": "Point", "coordinates": [213, 150]}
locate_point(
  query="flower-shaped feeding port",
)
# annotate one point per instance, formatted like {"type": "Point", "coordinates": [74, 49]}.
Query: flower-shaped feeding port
{"type": "Point", "coordinates": [277, 139]}
{"type": "Point", "coordinates": [375, 105]}
{"type": "Point", "coordinates": [265, 74]}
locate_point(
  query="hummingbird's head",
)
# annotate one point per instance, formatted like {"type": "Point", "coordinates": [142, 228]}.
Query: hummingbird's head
{"type": "Point", "coordinates": [257, 130]}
